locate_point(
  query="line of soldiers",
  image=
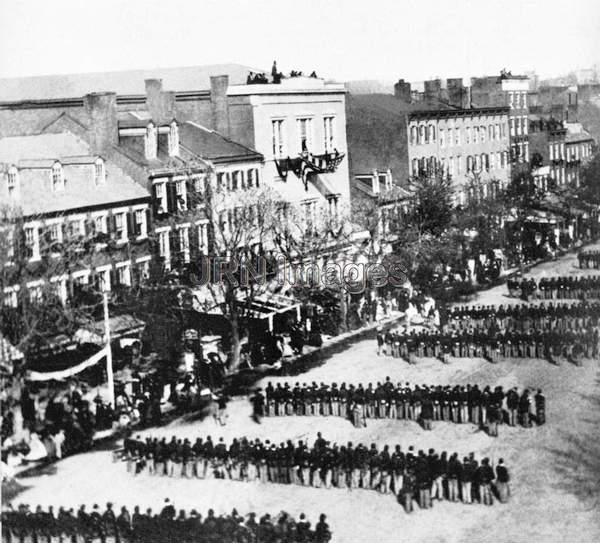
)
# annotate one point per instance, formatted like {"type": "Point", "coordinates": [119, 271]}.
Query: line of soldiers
{"type": "Point", "coordinates": [24, 525]}
{"type": "Point", "coordinates": [459, 404]}
{"type": "Point", "coordinates": [409, 476]}
{"type": "Point", "coordinates": [558, 287]}
{"type": "Point", "coordinates": [589, 259]}
{"type": "Point", "coordinates": [561, 316]}
{"type": "Point", "coordinates": [553, 345]}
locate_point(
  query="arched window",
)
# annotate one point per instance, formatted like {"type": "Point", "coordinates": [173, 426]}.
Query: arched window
{"type": "Point", "coordinates": [58, 179]}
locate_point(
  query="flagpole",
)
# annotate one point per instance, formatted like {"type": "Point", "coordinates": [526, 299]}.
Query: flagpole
{"type": "Point", "coordinates": [109, 365]}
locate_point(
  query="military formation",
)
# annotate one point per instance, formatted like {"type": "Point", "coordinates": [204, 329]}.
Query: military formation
{"type": "Point", "coordinates": [589, 259]}
{"type": "Point", "coordinates": [555, 288]}
{"type": "Point", "coordinates": [165, 526]}
{"type": "Point", "coordinates": [553, 345]}
{"type": "Point", "coordinates": [483, 406]}
{"type": "Point", "coordinates": [410, 476]}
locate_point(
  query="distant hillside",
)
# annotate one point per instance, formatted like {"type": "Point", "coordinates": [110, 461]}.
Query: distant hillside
{"type": "Point", "coordinates": [370, 86]}
{"type": "Point", "coordinates": [376, 132]}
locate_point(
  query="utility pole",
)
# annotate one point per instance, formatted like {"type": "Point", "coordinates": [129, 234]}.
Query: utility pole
{"type": "Point", "coordinates": [109, 365]}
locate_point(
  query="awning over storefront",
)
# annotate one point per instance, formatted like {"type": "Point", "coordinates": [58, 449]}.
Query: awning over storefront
{"type": "Point", "coordinates": [120, 326]}
{"type": "Point", "coordinates": [63, 374]}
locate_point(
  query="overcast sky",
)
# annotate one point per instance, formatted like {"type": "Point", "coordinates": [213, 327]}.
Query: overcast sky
{"type": "Point", "coordinates": [342, 39]}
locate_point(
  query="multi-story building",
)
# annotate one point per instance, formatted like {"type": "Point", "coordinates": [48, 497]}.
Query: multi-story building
{"type": "Point", "coordinates": [578, 150]}
{"type": "Point", "coordinates": [469, 145]}
{"type": "Point", "coordinates": [298, 125]}
{"type": "Point", "coordinates": [73, 218]}
{"type": "Point", "coordinates": [510, 91]}
{"type": "Point", "coordinates": [547, 144]}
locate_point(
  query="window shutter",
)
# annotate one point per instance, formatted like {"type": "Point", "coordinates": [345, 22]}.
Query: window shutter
{"type": "Point", "coordinates": [155, 201]}
{"type": "Point", "coordinates": [171, 197]}
{"type": "Point", "coordinates": [148, 221]}
{"type": "Point", "coordinates": [174, 245]}
{"type": "Point", "coordinates": [191, 195]}
{"type": "Point", "coordinates": [132, 229]}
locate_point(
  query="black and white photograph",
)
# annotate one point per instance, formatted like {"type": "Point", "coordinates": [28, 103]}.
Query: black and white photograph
{"type": "Point", "coordinates": [279, 271]}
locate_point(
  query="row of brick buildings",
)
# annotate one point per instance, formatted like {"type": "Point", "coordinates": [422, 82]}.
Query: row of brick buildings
{"type": "Point", "coordinates": [123, 161]}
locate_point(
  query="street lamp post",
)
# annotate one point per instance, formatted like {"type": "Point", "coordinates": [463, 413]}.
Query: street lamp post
{"type": "Point", "coordinates": [109, 365]}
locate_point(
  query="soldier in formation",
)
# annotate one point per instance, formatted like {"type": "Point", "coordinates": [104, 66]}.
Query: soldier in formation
{"type": "Point", "coordinates": [388, 470]}
{"type": "Point", "coordinates": [164, 526]}
{"type": "Point", "coordinates": [484, 407]}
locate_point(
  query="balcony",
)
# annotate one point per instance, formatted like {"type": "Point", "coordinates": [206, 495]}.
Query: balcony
{"type": "Point", "coordinates": [307, 162]}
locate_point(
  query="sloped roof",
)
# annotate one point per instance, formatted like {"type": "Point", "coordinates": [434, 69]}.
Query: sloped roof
{"type": "Point", "coordinates": [128, 82]}
{"type": "Point", "coordinates": [34, 156]}
{"type": "Point", "coordinates": [212, 146]}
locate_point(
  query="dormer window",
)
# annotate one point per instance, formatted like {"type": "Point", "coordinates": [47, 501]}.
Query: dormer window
{"type": "Point", "coordinates": [58, 178]}
{"type": "Point", "coordinates": [13, 182]}
{"type": "Point", "coordinates": [173, 139]}
{"type": "Point", "coordinates": [151, 143]}
{"type": "Point", "coordinates": [99, 172]}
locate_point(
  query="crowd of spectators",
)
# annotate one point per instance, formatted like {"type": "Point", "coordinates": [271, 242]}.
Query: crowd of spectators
{"type": "Point", "coordinates": [555, 288]}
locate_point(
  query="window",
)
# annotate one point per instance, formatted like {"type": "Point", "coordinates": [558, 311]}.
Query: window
{"type": "Point", "coordinates": [475, 134]}
{"type": "Point", "coordinates": [252, 178]}
{"type": "Point", "coordinates": [511, 100]}
{"type": "Point", "coordinates": [103, 278]}
{"type": "Point", "coordinates": [100, 224]}
{"type": "Point", "coordinates": [469, 164]}
{"type": "Point", "coordinates": [203, 237]}
{"type": "Point", "coordinates": [160, 194]}
{"type": "Point", "coordinates": [524, 123]}
{"type": "Point", "coordinates": [511, 123]}
{"type": "Point", "coordinates": [457, 136]}
{"type": "Point", "coordinates": [164, 249]}
{"type": "Point", "coordinates": [482, 134]}
{"type": "Point", "coordinates": [10, 298]}
{"type": "Point", "coordinates": [55, 232]}
{"type": "Point", "coordinates": [59, 288]}
{"type": "Point", "coordinates": [329, 144]}
{"type": "Point", "coordinates": [432, 133]}
{"type": "Point", "coordinates": [184, 242]}
{"type": "Point", "coordinates": [524, 100]}
{"type": "Point", "coordinates": [415, 166]}
{"type": "Point", "coordinates": [458, 165]}
{"type": "Point", "coordinates": [497, 131]}
{"type": "Point", "coordinates": [32, 242]}
{"type": "Point", "coordinates": [414, 135]}
{"type": "Point", "coordinates": [99, 173]}
{"type": "Point", "coordinates": [442, 142]}
{"type": "Point", "coordinates": [120, 227]}
{"type": "Point", "coordinates": [123, 274]}
{"type": "Point", "coordinates": [35, 291]}
{"type": "Point", "coordinates": [451, 166]}
{"type": "Point", "coordinates": [180, 190]}
{"type": "Point", "coordinates": [58, 181]}
{"type": "Point", "coordinates": [139, 223]}
{"type": "Point", "coordinates": [235, 180]}
{"type": "Point", "coordinates": [278, 140]}
{"type": "Point", "coordinates": [422, 138]}
{"type": "Point", "coordinates": [519, 125]}
{"type": "Point", "coordinates": [492, 163]}
{"type": "Point", "coordinates": [12, 182]}
{"type": "Point", "coordinates": [468, 140]}
{"type": "Point", "coordinates": [76, 227]}
{"type": "Point", "coordinates": [305, 134]}
{"type": "Point", "coordinates": [143, 268]}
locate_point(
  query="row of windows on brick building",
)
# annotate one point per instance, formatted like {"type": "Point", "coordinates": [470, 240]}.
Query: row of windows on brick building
{"type": "Point", "coordinates": [305, 133]}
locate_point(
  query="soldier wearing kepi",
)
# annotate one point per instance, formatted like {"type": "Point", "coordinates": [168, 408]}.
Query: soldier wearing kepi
{"type": "Point", "coordinates": [540, 407]}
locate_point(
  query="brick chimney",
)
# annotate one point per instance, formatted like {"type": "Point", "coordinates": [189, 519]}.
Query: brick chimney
{"type": "Point", "coordinates": [402, 91]}
{"type": "Point", "coordinates": [218, 104]}
{"type": "Point", "coordinates": [160, 103]}
{"type": "Point", "coordinates": [101, 108]}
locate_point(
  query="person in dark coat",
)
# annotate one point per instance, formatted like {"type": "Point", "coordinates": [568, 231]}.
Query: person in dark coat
{"type": "Point", "coordinates": [502, 479]}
